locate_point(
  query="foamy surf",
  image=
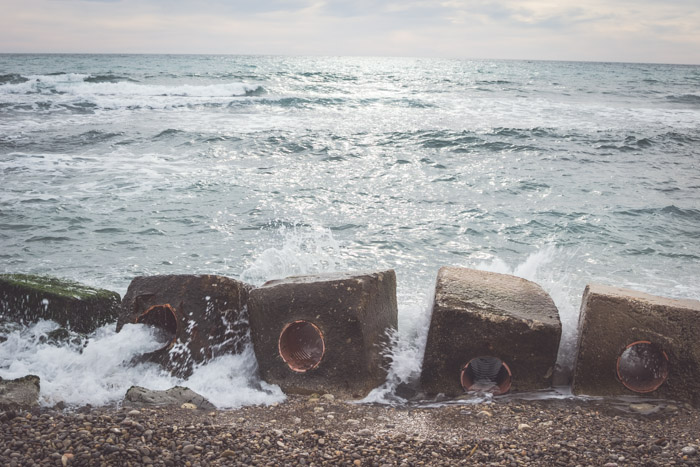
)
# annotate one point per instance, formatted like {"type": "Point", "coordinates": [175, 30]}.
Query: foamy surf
{"type": "Point", "coordinates": [98, 369]}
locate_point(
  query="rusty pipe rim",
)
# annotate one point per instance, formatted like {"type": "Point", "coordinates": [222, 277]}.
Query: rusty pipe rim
{"type": "Point", "coordinates": [486, 374]}
{"type": "Point", "coordinates": [163, 318]}
{"type": "Point", "coordinates": [642, 366]}
{"type": "Point", "coordinates": [301, 345]}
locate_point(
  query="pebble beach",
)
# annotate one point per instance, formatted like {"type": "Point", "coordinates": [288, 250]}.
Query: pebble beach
{"type": "Point", "coordinates": [321, 430]}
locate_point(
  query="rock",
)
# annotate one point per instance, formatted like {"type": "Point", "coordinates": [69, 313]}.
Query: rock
{"type": "Point", "coordinates": [188, 406]}
{"type": "Point", "coordinates": [324, 333]}
{"type": "Point", "coordinates": [524, 426]}
{"type": "Point", "coordinates": [228, 453]}
{"type": "Point", "coordinates": [489, 332]}
{"type": "Point", "coordinates": [689, 451]}
{"type": "Point", "coordinates": [30, 298]}
{"type": "Point", "coordinates": [199, 315]}
{"type": "Point", "coordinates": [177, 396]}
{"type": "Point", "coordinates": [20, 393]}
{"type": "Point", "coordinates": [635, 342]}
{"type": "Point", "coordinates": [187, 449]}
{"type": "Point", "coordinates": [643, 407]}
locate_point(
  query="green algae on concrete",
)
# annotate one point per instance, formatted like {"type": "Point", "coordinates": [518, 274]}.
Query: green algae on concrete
{"type": "Point", "coordinates": [30, 298]}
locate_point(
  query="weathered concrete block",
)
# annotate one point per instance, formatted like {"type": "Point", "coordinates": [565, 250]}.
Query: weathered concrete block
{"type": "Point", "coordinates": [200, 316]}
{"type": "Point", "coordinates": [20, 393]}
{"type": "Point", "coordinates": [30, 298]}
{"type": "Point", "coordinates": [489, 332]}
{"type": "Point", "coordinates": [632, 342]}
{"type": "Point", "coordinates": [324, 333]}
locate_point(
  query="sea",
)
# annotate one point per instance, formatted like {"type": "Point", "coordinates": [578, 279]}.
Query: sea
{"type": "Point", "coordinates": [263, 167]}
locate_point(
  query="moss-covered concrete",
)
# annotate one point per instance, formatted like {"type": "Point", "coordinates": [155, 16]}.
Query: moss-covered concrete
{"type": "Point", "coordinates": [29, 298]}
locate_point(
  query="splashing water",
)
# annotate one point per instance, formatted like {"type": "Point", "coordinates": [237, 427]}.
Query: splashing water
{"type": "Point", "coordinates": [408, 344]}
{"type": "Point", "coordinates": [305, 250]}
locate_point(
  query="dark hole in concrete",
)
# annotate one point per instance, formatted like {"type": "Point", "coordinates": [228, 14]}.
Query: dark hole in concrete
{"type": "Point", "coordinates": [486, 374]}
{"type": "Point", "coordinates": [301, 345]}
{"type": "Point", "coordinates": [161, 317]}
{"type": "Point", "coordinates": [642, 366]}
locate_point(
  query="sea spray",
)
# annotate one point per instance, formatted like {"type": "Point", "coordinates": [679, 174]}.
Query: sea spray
{"type": "Point", "coordinates": [548, 267]}
{"type": "Point", "coordinates": [408, 343]}
{"type": "Point", "coordinates": [97, 372]}
{"type": "Point", "coordinates": [304, 250]}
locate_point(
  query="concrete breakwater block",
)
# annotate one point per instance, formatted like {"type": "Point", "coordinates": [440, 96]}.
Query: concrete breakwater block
{"type": "Point", "coordinates": [199, 317]}
{"type": "Point", "coordinates": [632, 342]}
{"type": "Point", "coordinates": [30, 298]}
{"type": "Point", "coordinates": [324, 333]}
{"type": "Point", "coordinates": [489, 332]}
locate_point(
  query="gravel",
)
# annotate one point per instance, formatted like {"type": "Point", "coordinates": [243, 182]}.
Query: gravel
{"type": "Point", "coordinates": [514, 433]}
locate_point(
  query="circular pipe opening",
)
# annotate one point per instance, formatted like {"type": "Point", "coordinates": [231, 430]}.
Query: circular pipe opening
{"type": "Point", "coordinates": [161, 317]}
{"type": "Point", "coordinates": [301, 345]}
{"type": "Point", "coordinates": [642, 366]}
{"type": "Point", "coordinates": [486, 374]}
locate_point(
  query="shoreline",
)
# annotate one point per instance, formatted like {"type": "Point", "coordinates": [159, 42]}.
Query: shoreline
{"type": "Point", "coordinates": [324, 431]}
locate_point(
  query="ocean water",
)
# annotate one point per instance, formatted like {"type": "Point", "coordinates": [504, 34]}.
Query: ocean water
{"type": "Point", "coordinates": [261, 167]}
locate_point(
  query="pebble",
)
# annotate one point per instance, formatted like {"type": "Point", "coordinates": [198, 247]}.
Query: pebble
{"type": "Point", "coordinates": [689, 451]}
{"type": "Point", "coordinates": [188, 405]}
{"type": "Point", "coordinates": [642, 407]}
{"type": "Point", "coordinates": [580, 434]}
{"type": "Point", "coordinates": [188, 448]}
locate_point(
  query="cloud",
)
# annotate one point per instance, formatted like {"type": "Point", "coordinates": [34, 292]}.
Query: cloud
{"type": "Point", "coordinates": [625, 30]}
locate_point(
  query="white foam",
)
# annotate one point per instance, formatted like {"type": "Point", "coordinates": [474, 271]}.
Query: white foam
{"type": "Point", "coordinates": [409, 343]}
{"type": "Point", "coordinates": [98, 374]}
{"type": "Point", "coordinates": [231, 381]}
{"type": "Point", "coordinates": [102, 372]}
{"type": "Point", "coordinates": [75, 84]}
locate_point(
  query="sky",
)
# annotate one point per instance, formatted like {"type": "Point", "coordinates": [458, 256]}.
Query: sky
{"type": "Point", "coordinates": [655, 31]}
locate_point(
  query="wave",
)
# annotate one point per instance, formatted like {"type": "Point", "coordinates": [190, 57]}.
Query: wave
{"type": "Point", "coordinates": [113, 85]}
{"type": "Point", "coordinates": [671, 210]}
{"type": "Point", "coordinates": [12, 79]}
{"type": "Point", "coordinates": [692, 99]}
{"type": "Point", "coordinates": [108, 79]}
{"type": "Point", "coordinates": [497, 140]}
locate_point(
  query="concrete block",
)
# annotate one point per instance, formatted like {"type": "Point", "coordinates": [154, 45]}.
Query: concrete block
{"type": "Point", "coordinates": [30, 298]}
{"type": "Point", "coordinates": [635, 343]}
{"type": "Point", "coordinates": [324, 333]}
{"type": "Point", "coordinates": [200, 317]}
{"type": "Point", "coordinates": [489, 332]}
